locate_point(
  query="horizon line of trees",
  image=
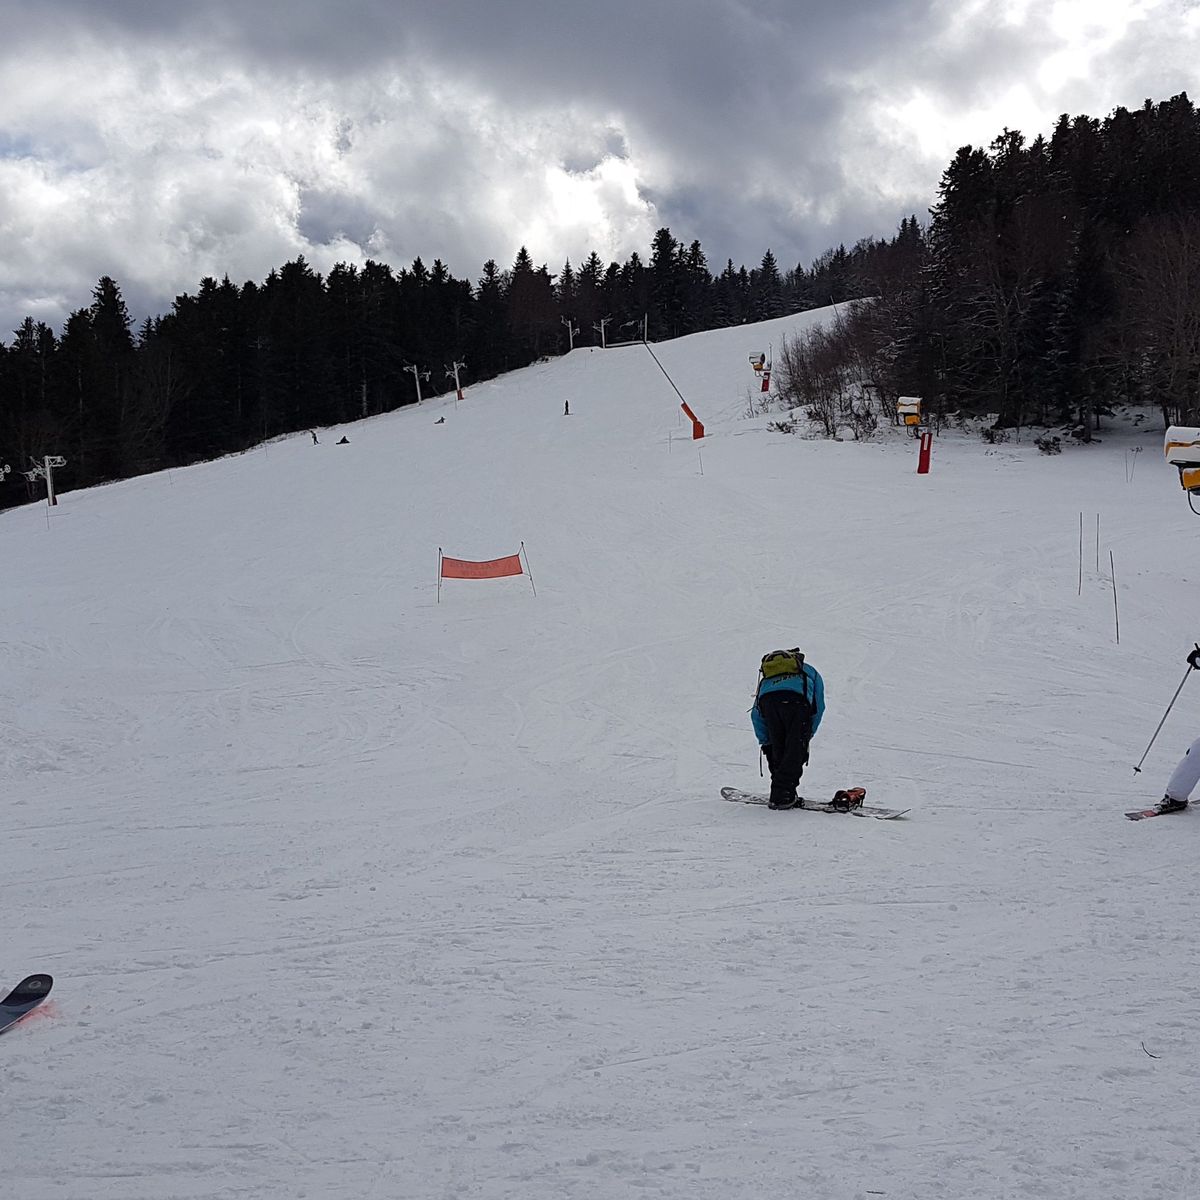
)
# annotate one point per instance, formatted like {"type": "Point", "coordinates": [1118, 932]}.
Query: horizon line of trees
{"type": "Point", "coordinates": [229, 367]}
{"type": "Point", "coordinates": [1052, 279]}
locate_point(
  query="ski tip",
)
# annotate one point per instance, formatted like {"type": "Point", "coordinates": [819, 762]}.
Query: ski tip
{"type": "Point", "coordinates": [31, 988]}
{"type": "Point", "coordinates": [24, 999]}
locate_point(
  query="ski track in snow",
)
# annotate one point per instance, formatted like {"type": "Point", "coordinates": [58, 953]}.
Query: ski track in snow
{"type": "Point", "coordinates": [350, 892]}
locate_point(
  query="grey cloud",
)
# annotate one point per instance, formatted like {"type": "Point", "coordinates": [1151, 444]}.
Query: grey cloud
{"type": "Point", "coordinates": [404, 129]}
{"type": "Point", "coordinates": [590, 151]}
{"type": "Point", "coordinates": [326, 217]}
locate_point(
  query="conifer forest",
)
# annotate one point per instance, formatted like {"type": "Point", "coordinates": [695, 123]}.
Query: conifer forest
{"type": "Point", "coordinates": [1049, 280]}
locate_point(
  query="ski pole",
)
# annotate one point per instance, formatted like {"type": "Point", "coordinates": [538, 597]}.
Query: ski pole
{"type": "Point", "coordinates": [1137, 770]}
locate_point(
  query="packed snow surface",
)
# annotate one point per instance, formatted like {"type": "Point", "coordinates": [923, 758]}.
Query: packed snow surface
{"type": "Point", "coordinates": [355, 891]}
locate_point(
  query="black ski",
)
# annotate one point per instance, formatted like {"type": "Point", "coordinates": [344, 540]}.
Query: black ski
{"type": "Point", "coordinates": [1141, 814]}
{"type": "Point", "coordinates": [23, 999]}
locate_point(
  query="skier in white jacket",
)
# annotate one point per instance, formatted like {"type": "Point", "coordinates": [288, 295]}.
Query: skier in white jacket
{"type": "Point", "coordinates": [1187, 773]}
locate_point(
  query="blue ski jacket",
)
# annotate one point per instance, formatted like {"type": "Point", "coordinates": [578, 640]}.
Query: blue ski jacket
{"type": "Point", "coordinates": [809, 683]}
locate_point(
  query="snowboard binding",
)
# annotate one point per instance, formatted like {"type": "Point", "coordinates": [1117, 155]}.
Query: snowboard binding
{"type": "Point", "coordinates": [848, 798]}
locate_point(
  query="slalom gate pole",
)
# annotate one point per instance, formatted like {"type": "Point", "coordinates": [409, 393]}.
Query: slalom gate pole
{"type": "Point", "coordinates": [1080, 592]}
{"type": "Point", "coordinates": [1116, 616]}
{"type": "Point", "coordinates": [1138, 769]}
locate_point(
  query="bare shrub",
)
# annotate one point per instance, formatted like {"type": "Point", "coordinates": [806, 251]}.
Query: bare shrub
{"type": "Point", "coordinates": [813, 373]}
{"type": "Point", "coordinates": [830, 372]}
{"type": "Point", "coordinates": [863, 421]}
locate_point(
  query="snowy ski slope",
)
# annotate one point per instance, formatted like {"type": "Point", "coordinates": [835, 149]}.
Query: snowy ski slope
{"type": "Point", "coordinates": [349, 893]}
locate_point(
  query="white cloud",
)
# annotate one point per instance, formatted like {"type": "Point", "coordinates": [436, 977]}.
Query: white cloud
{"type": "Point", "coordinates": [1088, 29]}
{"type": "Point", "coordinates": [574, 212]}
{"type": "Point", "coordinates": [160, 144]}
{"type": "Point", "coordinates": [159, 172]}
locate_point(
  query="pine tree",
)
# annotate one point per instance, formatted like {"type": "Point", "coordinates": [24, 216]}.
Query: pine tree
{"type": "Point", "coordinates": [766, 300]}
{"type": "Point", "coordinates": [346, 334]}
{"type": "Point", "coordinates": [667, 285]}
{"type": "Point", "coordinates": [566, 290]}
{"type": "Point", "coordinates": [491, 353]}
{"type": "Point", "coordinates": [382, 383]}
{"type": "Point", "coordinates": [588, 300]}
{"type": "Point", "coordinates": [633, 298]}
{"type": "Point", "coordinates": [726, 300]}
{"type": "Point", "coordinates": [532, 315]}
{"type": "Point", "coordinates": [697, 290]}
{"type": "Point", "coordinates": [296, 366]}
{"type": "Point", "coordinates": [29, 426]}
{"type": "Point", "coordinates": [108, 368]}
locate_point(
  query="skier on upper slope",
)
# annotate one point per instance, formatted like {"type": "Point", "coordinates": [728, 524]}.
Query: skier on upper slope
{"type": "Point", "coordinates": [1187, 773]}
{"type": "Point", "coordinates": [788, 707]}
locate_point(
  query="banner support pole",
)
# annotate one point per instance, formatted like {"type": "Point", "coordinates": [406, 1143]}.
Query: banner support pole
{"type": "Point", "coordinates": [439, 599]}
{"type": "Point", "coordinates": [528, 571]}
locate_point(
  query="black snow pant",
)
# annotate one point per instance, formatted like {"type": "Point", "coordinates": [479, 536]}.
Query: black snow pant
{"type": "Point", "coordinates": [787, 716]}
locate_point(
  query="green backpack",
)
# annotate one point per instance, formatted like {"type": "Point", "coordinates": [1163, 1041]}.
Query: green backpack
{"type": "Point", "coordinates": [782, 662]}
{"type": "Point", "coordinates": [779, 664]}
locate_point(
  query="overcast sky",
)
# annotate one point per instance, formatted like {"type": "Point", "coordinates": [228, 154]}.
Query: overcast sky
{"type": "Point", "coordinates": [159, 141]}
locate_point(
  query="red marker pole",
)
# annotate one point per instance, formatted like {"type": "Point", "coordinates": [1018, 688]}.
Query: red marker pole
{"type": "Point", "coordinates": [926, 450]}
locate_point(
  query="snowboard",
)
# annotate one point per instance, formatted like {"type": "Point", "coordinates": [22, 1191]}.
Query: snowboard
{"type": "Point", "coordinates": [23, 999]}
{"type": "Point", "coordinates": [864, 810]}
{"type": "Point", "coordinates": [1142, 813]}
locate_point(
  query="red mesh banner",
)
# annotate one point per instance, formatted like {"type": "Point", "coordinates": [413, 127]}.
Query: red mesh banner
{"type": "Point", "coordinates": [494, 568]}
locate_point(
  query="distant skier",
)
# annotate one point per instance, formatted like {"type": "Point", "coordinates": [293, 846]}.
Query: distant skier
{"type": "Point", "coordinates": [566, 408]}
{"type": "Point", "coordinates": [788, 707]}
{"type": "Point", "coordinates": [314, 437]}
{"type": "Point", "coordinates": [1187, 772]}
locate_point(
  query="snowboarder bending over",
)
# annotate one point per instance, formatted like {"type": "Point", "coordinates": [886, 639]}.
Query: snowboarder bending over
{"type": "Point", "coordinates": [788, 707]}
{"type": "Point", "coordinates": [1187, 773]}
